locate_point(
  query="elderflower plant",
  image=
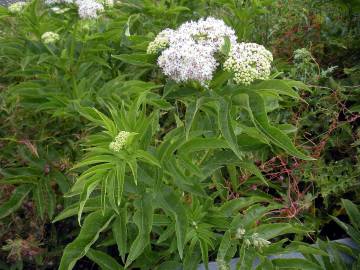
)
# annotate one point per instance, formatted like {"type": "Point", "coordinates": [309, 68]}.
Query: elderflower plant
{"type": "Point", "coordinates": [248, 62]}
{"type": "Point", "coordinates": [17, 7]}
{"type": "Point", "coordinates": [50, 37]}
{"type": "Point", "coordinates": [120, 141]}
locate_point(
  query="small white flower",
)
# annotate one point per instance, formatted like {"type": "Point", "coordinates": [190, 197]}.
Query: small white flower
{"type": "Point", "coordinates": [248, 62]}
{"type": "Point", "coordinates": [17, 7]}
{"type": "Point", "coordinates": [247, 242]}
{"type": "Point", "coordinates": [259, 242]}
{"type": "Point", "coordinates": [50, 37]}
{"type": "Point", "coordinates": [240, 232]}
{"type": "Point", "coordinates": [89, 9]}
{"type": "Point", "coordinates": [120, 141]}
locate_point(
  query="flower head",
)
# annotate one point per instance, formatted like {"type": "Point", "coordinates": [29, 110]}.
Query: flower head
{"type": "Point", "coordinates": [160, 42]}
{"type": "Point", "coordinates": [249, 62]}
{"type": "Point", "coordinates": [259, 242]}
{"type": "Point", "coordinates": [120, 141]}
{"type": "Point", "coordinates": [89, 9]}
{"type": "Point", "coordinates": [53, 2]}
{"type": "Point", "coordinates": [240, 232]}
{"type": "Point", "coordinates": [17, 7]}
{"type": "Point", "coordinates": [188, 53]}
{"type": "Point", "coordinates": [50, 37]}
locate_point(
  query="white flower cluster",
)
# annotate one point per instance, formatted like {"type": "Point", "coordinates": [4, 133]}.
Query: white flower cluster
{"type": "Point", "coordinates": [240, 232]}
{"type": "Point", "coordinates": [17, 7]}
{"type": "Point", "coordinates": [50, 37]}
{"type": "Point", "coordinates": [249, 62]}
{"type": "Point", "coordinates": [87, 9]}
{"type": "Point", "coordinates": [256, 241]}
{"type": "Point", "coordinates": [189, 52]}
{"type": "Point", "coordinates": [120, 141]}
{"type": "Point", "coordinates": [53, 2]}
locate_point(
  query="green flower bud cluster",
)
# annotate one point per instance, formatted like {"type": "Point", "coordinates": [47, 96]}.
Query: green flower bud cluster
{"type": "Point", "coordinates": [50, 37]}
{"type": "Point", "coordinates": [120, 141]}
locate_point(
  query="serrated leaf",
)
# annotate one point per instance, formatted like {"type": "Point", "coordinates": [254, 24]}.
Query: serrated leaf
{"type": "Point", "coordinates": [105, 261]}
{"type": "Point", "coordinates": [352, 211]}
{"type": "Point", "coordinates": [143, 218]}
{"type": "Point", "coordinates": [169, 201]}
{"type": "Point", "coordinates": [226, 128]}
{"type": "Point", "coordinates": [257, 112]}
{"type": "Point", "coordinates": [292, 263]}
{"type": "Point", "coordinates": [120, 232]}
{"type": "Point", "coordinates": [93, 225]}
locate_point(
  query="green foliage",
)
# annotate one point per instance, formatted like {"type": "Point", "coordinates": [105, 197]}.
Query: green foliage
{"type": "Point", "coordinates": [203, 173]}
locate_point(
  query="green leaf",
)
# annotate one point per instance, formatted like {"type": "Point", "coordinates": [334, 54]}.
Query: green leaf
{"type": "Point", "coordinates": [225, 125]}
{"type": "Point", "coordinates": [38, 195]}
{"type": "Point", "coordinates": [136, 59]}
{"type": "Point", "coordinates": [295, 264]}
{"type": "Point", "coordinates": [105, 261]}
{"type": "Point", "coordinates": [170, 201]}
{"type": "Point", "coordinates": [352, 211]}
{"type": "Point", "coordinates": [268, 231]}
{"type": "Point", "coordinates": [120, 178]}
{"type": "Point", "coordinates": [134, 169]}
{"type": "Point", "coordinates": [257, 112]}
{"type": "Point", "coordinates": [120, 232]}
{"type": "Point", "coordinates": [88, 189]}
{"type": "Point", "coordinates": [236, 205]}
{"type": "Point", "coordinates": [143, 218]}
{"type": "Point", "coordinates": [15, 201]}
{"type": "Point", "coordinates": [91, 205]}
{"type": "Point", "coordinates": [225, 246]}
{"type": "Point", "coordinates": [147, 157]}
{"type": "Point", "coordinates": [93, 225]}
{"type": "Point", "coordinates": [200, 144]}
{"type": "Point", "coordinates": [277, 86]}
{"type": "Point", "coordinates": [190, 114]}
{"type": "Point", "coordinates": [204, 253]}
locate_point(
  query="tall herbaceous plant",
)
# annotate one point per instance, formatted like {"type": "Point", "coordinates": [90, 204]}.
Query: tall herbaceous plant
{"type": "Point", "coordinates": [160, 166]}
{"type": "Point", "coordinates": [172, 127]}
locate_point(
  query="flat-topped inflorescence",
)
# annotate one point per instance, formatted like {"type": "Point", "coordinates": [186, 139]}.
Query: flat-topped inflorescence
{"type": "Point", "coordinates": [50, 37]}
{"type": "Point", "coordinates": [188, 53]}
{"type": "Point", "coordinates": [191, 53]}
{"type": "Point", "coordinates": [120, 141]}
{"type": "Point", "coordinates": [249, 62]}
{"type": "Point", "coordinates": [17, 7]}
